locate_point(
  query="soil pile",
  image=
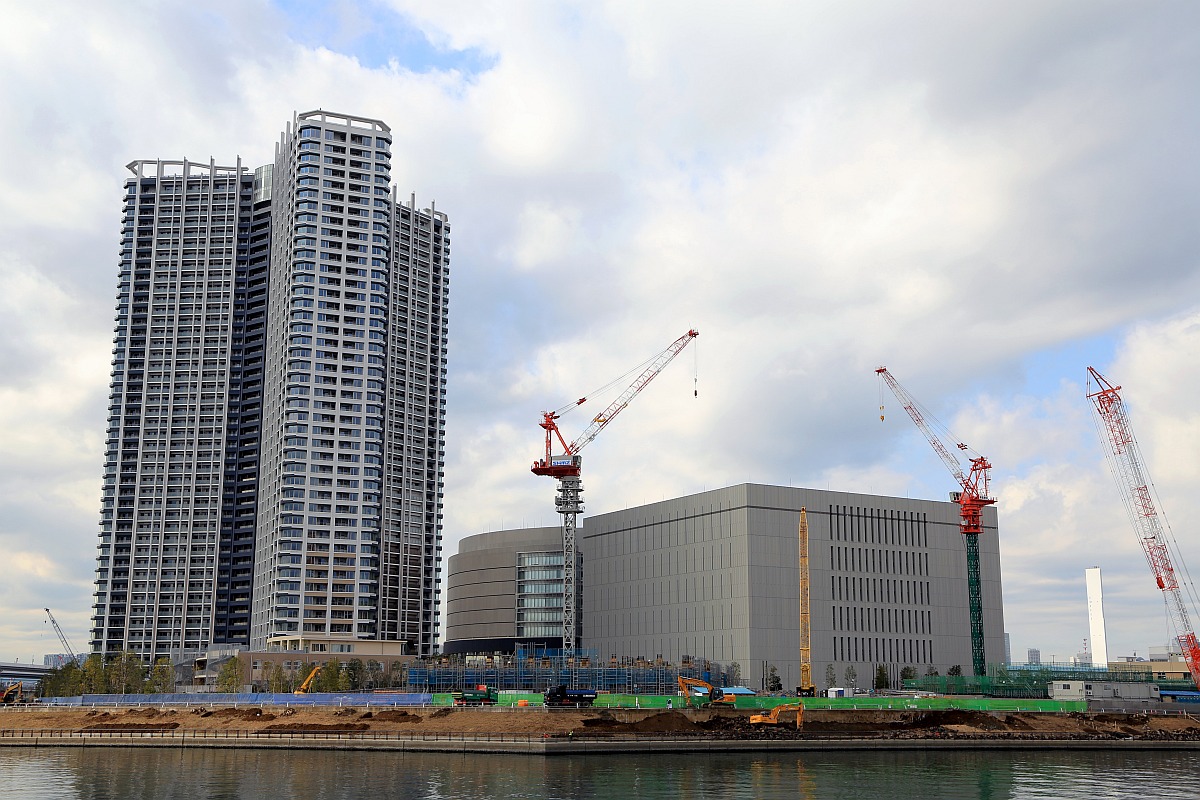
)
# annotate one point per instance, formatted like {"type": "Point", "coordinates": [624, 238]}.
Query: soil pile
{"type": "Point", "coordinates": [537, 722]}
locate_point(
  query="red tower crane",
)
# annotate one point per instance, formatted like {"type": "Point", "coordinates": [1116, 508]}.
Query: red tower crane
{"type": "Point", "coordinates": [971, 501]}
{"type": "Point", "coordinates": [1125, 459]}
{"type": "Point", "coordinates": [566, 468]}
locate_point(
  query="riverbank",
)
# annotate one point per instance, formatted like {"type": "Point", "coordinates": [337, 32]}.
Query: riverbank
{"type": "Point", "coordinates": [543, 731]}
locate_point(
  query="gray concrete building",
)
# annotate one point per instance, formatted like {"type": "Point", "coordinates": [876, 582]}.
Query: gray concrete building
{"type": "Point", "coordinates": [716, 575]}
{"type": "Point", "coordinates": [276, 434]}
{"type": "Point", "coordinates": [504, 589]}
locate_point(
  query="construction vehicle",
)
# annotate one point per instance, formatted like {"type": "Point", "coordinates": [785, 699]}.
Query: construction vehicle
{"type": "Point", "coordinates": [481, 695]}
{"type": "Point", "coordinates": [806, 687]}
{"type": "Point", "coordinates": [306, 687]}
{"type": "Point", "coordinates": [772, 718]}
{"type": "Point", "coordinates": [562, 697]}
{"type": "Point", "coordinates": [700, 693]}
{"type": "Point", "coordinates": [566, 469]}
{"type": "Point", "coordinates": [971, 501]}
{"type": "Point", "coordinates": [14, 693]}
{"type": "Point", "coordinates": [1126, 461]}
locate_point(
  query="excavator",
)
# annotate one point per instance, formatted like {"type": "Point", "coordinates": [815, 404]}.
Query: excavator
{"type": "Point", "coordinates": [13, 693]}
{"type": "Point", "coordinates": [772, 718]}
{"type": "Point", "coordinates": [713, 694]}
{"type": "Point", "coordinates": [307, 685]}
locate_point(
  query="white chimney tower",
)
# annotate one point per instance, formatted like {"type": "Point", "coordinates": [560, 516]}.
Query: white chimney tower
{"type": "Point", "coordinates": [1095, 600]}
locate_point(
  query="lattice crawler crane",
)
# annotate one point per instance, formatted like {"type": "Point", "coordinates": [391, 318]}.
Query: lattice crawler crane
{"type": "Point", "coordinates": [1125, 459]}
{"type": "Point", "coordinates": [566, 468]}
{"type": "Point", "coordinates": [971, 501]}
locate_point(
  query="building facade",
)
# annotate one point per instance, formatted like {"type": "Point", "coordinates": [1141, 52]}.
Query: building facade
{"type": "Point", "coordinates": [503, 590]}
{"type": "Point", "coordinates": [716, 575]}
{"type": "Point", "coordinates": [184, 243]}
{"type": "Point", "coordinates": [277, 424]}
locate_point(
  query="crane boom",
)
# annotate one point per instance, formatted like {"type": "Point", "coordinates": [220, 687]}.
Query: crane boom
{"type": "Point", "coordinates": [971, 501]}
{"type": "Point", "coordinates": [1126, 461]}
{"type": "Point", "coordinates": [567, 467]}
{"type": "Point", "coordinates": [62, 638]}
{"type": "Point", "coordinates": [557, 466]}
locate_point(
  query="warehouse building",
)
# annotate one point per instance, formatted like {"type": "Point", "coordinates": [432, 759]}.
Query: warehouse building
{"type": "Point", "coordinates": [716, 575]}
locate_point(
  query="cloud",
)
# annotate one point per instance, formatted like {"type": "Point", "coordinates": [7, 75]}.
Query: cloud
{"type": "Point", "coordinates": [950, 190]}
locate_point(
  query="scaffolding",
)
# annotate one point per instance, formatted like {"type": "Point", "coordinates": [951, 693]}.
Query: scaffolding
{"type": "Point", "coordinates": [535, 670]}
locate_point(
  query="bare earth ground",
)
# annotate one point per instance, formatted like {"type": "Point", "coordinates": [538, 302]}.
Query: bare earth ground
{"type": "Point", "coordinates": [535, 721]}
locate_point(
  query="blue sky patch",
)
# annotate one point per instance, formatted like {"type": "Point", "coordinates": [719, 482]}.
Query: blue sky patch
{"type": "Point", "coordinates": [375, 35]}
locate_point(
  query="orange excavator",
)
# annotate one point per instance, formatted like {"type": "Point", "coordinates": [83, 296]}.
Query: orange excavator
{"type": "Point", "coordinates": [772, 718]}
{"type": "Point", "coordinates": [711, 694]}
{"type": "Point", "coordinates": [307, 685]}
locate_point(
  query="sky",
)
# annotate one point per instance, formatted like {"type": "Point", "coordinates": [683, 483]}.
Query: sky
{"type": "Point", "coordinates": [987, 199]}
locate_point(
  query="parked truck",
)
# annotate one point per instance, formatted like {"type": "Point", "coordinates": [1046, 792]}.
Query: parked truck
{"type": "Point", "coordinates": [481, 695]}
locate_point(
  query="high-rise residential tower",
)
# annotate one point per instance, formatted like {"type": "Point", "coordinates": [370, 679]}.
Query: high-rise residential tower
{"type": "Point", "coordinates": [349, 519]}
{"type": "Point", "coordinates": [277, 414]}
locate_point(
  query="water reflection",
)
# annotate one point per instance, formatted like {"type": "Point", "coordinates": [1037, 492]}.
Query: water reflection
{"type": "Point", "coordinates": [119, 773]}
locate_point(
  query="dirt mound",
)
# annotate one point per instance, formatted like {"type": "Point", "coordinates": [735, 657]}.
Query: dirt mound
{"type": "Point", "coordinates": [668, 722]}
{"type": "Point", "coordinates": [132, 726]}
{"type": "Point", "coordinates": [316, 727]}
{"type": "Point", "coordinates": [442, 712]}
{"type": "Point", "coordinates": [239, 715]}
{"type": "Point", "coordinates": [396, 715]}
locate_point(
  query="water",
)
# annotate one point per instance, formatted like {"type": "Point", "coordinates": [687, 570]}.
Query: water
{"type": "Point", "coordinates": [119, 773]}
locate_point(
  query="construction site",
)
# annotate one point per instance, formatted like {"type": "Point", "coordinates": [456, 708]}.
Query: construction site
{"type": "Point", "coordinates": [817, 595]}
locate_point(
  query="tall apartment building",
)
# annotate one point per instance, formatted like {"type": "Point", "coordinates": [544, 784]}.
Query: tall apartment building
{"type": "Point", "coordinates": [277, 417]}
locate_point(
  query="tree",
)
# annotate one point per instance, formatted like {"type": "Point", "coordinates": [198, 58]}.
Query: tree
{"type": "Point", "coordinates": [774, 684]}
{"type": "Point", "coordinates": [830, 676]}
{"type": "Point", "coordinates": [882, 681]}
{"type": "Point", "coordinates": [64, 681]}
{"type": "Point", "coordinates": [126, 674]}
{"type": "Point", "coordinates": [95, 675]}
{"type": "Point", "coordinates": [930, 672]}
{"type": "Point", "coordinates": [276, 679]}
{"type": "Point", "coordinates": [374, 676]}
{"type": "Point", "coordinates": [955, 671]}
{"type": "Point", "coordinates": [852, 676]}
{"type": "Point", "coordinates": [162, 677]}
{"type": "Point", "coordinates": [397, 676]}
{"type": "Point", "coordinates": [229, 679]}
{"type": "Point", "coordinates": [330, 677]}
{"type": "Point", "coordinates": [908, 673]}
{"type": "Point", "coordinates": [735, 674]}
{"type": "Point", "coordinates": [355, 674]}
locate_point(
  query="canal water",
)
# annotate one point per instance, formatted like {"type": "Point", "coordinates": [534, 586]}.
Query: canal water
{"type": "Point", "coordinates": [120, 773]}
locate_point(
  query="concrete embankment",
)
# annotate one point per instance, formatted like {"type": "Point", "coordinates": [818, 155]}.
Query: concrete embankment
{"type": "Point", "coordinates": [541, 731]}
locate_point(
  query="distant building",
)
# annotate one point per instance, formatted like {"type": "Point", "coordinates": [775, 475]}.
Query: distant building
{"type": "Point", "coordinates": [1034, 656]}
{"type": "Point", "coordinates": [1007, 649]}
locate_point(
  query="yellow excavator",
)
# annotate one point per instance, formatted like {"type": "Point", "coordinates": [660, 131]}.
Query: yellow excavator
{"type": "Point", "coordinates": [307, 685]}
{"type": "Point", "coordinates": [14, 693]}
{"type": "Point", "coordinates": [772, 718]}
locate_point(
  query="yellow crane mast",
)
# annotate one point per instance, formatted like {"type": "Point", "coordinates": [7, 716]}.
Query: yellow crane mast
{"type": "Point", "coordinates": [806, 688]}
